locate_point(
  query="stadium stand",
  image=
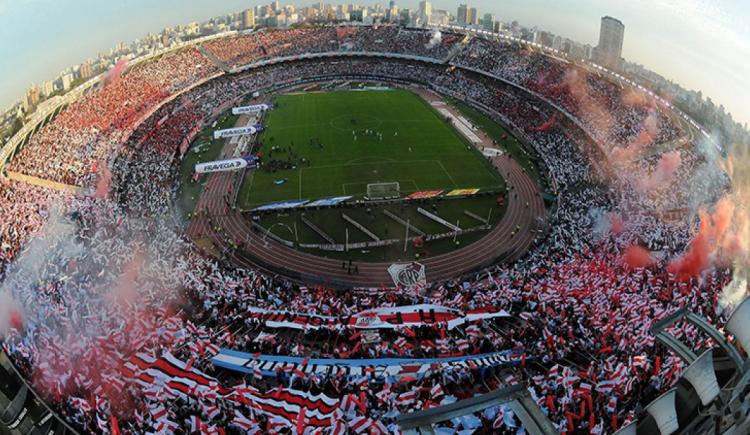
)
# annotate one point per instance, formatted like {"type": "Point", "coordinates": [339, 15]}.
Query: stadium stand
{"type": "Point", "coordinates": [116, 315]}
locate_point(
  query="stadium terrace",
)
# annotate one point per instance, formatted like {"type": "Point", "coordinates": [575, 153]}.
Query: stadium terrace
{"type": "Point", "coordinates": [128, 311]}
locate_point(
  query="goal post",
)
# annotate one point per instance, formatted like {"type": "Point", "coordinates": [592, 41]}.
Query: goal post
{"type": "Point", "coordinates": [377, 191]}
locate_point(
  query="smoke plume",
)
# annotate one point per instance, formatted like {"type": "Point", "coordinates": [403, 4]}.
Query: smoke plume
{"type": "Point", "coordinates": [636, 257]}
{"type": "Point", "coordinates": [114, 75]}
{"type": "Point", "coordinates": [664, 172]}
{"type": "Point", "coordinates": [435, 39]}
{"type": "Point", "coordinates": [736, 227]}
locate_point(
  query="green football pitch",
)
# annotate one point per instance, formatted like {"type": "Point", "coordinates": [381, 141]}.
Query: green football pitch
{"type": "Point", "coordinates": [335, 143]}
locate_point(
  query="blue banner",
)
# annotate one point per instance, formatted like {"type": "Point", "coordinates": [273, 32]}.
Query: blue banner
{"type": "Point", "coordinates": [327, 202]}
{"type": "Point", "coordinates": [281, 205]}
{"type": "Point", "coordinates": [390, 368]}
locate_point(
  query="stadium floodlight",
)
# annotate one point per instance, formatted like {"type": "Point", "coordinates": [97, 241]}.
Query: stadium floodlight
{"type": "Point", "coordinates": [739, 323]}
{"type": "Point", "coordinates": [702, 377]}
{"type": "Point", "coordinates": [664, 412]}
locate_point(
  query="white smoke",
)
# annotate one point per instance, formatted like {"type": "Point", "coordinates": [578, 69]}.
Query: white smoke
{"type": "Point", "coordinates": [87, 275]}
{"type": "Point", "coordinates": [10, 312]}
{"type": "Point", "coordinates": [17, 301]}
{"type": "Point", "coordinates": [435, 39]}
{"type": "Point", "coordinates": [737, 167]}
{"type": "Point", "coordinates": [601, 222]}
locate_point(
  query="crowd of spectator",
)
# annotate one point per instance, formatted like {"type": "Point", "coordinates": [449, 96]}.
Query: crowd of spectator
{"type": "Point", "coordinates": [103, 278]}
{"type": "Point", "coordinates": [90, 129]}
{"type": "Point", "coordinates": [615, 117]}
{"type": "Point", "coordinates": [237, 51]}
{"type": "Point", "coordinates": [393, 39]}
{"type": "Point", "coordinates": [253, 47]}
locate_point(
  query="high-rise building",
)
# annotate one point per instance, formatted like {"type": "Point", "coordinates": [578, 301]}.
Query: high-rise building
{"type": "Point", "coordinates": [48, 88]}
{"type": "Point", "coordinates": [440, 17]}
{"type": "Point", "coordinates": [358, 15]}
{"type": "Point", "coordinates": [545, 38]}
{"type": "Point", "coordinates": [488, 22]}
{"type": "Point", "coordinates": [66, 81]}
{"type": "Point", "coordinates": [86, 71]}
{"type": "Point", "coordinates": [425, 11]}
{"type": "Point", "coordinates": [248, 19]}
{"type": "Point", "coordinates": [405, 17]}
{"type": "Point", "coordinates": [392, 14]}
{"type": "Point", "coordinates": [462, 14]}
{"type": "Point", "coordinates": [472, 17]}
{"type": "Point", "coordinates": [609, 51]}
{"type": "Point", "coordinates": [33, 95]}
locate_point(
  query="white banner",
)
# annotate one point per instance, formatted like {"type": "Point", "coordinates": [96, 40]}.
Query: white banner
{"type": "Point", "coordinates": [251, 109]}
{"type": "Point", "coordinates": [239, 131]}
{"type": "Point", "coordinates": [225, 165]}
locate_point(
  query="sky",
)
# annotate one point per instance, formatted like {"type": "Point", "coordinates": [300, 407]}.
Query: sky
{"type": "Point", "coordinates": [700, 44]}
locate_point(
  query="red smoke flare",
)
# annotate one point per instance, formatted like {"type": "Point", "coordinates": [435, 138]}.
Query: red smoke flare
{"type": "Point", "coordinates": [16, 319]}
{"type": "Point", "coordinates": [637, 256]}
{"type": "Point", "coordinates": [697, 257]}
{"type": "Point", "coordinates": [616, 223]}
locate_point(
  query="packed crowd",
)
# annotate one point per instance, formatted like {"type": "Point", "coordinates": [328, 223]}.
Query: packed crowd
{"type": "Point", "coordinates": [253, 47]}
{"type": "Point", "coordinates": [237, 51]}
{"type": "Point", "coordinates": [393, 39]}
{"type": "Point", "coordinates": [90, 129]}
{"type": "Point", "coordinates": [122, 314]}
{"type": "Point", "coordinates": [25, 209]}
{"type": "Point", "coordinates": [613, 115]}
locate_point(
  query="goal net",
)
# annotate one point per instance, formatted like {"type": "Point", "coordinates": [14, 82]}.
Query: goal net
{"type": "Point", "coordinates": [383, 190]}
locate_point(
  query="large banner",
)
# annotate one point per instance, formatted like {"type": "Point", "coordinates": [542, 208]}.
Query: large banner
{"type": "Point", "coordinates": [282, 205]}
{"type": "Point", "coordinates": [172, 377]}
{"type": "Point", "coordinates": [378, 318]}
{"type": "Point", "coordinates": [226, 165]}
{"type": "Point", "coordinates": [425, 194]}
{"type": "Point", "coordinates": [462, 192]}
{"type": "Point", "coordinates": [239, 131]}
{"type": "Point", "coordinates": [328, 202]}
{"type": "Point", "coordinates": [389, 369]}
{"type": "Point", "coordinates": [257, 108]}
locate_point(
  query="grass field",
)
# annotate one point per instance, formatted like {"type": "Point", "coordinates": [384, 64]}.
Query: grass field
{"type": "Point", "coordinates": [503, 138]}
{"type": "Point", "coordinates": [418, 149]}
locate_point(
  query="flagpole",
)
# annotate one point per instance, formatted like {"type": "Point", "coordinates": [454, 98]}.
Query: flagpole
{"type": "Point", "coordinates": [406, 236]}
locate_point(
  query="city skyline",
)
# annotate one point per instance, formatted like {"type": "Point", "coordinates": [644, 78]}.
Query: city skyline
{"type": "Point", "coordinates": [721, 42]}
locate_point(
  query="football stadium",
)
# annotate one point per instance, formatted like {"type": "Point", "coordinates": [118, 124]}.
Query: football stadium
{"type": "Point", "coordinates": [369, 229]}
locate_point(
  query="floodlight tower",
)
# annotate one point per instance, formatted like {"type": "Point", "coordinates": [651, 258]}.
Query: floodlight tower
{"type": "Point", "coordinates": [708, 404]}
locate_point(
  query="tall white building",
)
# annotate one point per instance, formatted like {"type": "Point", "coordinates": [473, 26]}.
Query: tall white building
{"type": "Point", "coordinates": [425, 11]}
{"type": "Point", "coordinates": [609, 51]}
{"type": "Point", "coordinates": [48, 88]}
{"type": "Point", "coordinates": [392, 14]}
{"type": "Point", "coordinates": [472, 17]}
{"type": "Point", "coordinates": [248, 19]}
